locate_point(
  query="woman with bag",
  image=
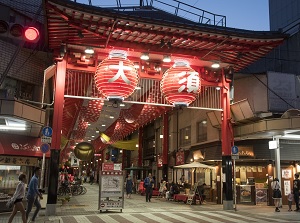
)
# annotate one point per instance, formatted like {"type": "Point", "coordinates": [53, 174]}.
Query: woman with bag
{"type": "Point", "coordinates": [18, 197]}
{"type": "Point", "coordinates": [276, 193]}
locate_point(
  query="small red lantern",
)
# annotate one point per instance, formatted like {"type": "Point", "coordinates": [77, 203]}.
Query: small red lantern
{"type": "Point", "coordinates": [116, 76]}
{"type": "Point", "coordinates": [180, 84]}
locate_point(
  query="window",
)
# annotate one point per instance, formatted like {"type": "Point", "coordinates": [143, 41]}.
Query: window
{"type": "Point", "coordinates": [185, 136]}
{"type": "Point", "coordinates": [202, 131]}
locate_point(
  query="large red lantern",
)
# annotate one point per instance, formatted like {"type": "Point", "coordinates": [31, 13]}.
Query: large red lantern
{"type": "Point", "coordinates": [180, 84]}
{"type": "Point", "coordinates": [116, 76]}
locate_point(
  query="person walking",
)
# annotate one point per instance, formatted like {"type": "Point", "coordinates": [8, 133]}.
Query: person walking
{"type": "Point", "coordinates": [290, 198]}
{"type": "Point", "coordinates": [18, 196]}
{"type": "Point", "coordinates": [33, 194]}
{"type": "Point", "coordinates": [129, 185]}
{"type": "Point", "coordinates": [149, 184]}
{"type": "Point", "coordinates": [276, 193]}
{"type": "Point", "coordinates": [296, 190]}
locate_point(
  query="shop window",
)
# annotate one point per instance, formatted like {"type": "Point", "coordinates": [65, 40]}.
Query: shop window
{"type": "Point", "coordinates": [185, 136]}
{"type": "Point", "coordinates": [202, 131]}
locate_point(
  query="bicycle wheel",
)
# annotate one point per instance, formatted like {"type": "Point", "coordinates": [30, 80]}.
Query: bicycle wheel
{"type": "Point", "coordinates": [84, 190]}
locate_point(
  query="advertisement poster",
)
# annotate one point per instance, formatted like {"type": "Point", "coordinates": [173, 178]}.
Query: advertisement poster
{"type": "Point", "coordinates": [111, 185]}
{"type": "Point", "coordinates": [287, 187]}
{"type": "Point", "coordinates": [286, 174]}
{"type": "Point", "coordinates": [245, 193]}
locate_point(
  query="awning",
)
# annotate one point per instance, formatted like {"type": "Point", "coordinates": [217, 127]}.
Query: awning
{"type": "Point", "coordinates": [138, 168]}
{"type": "Point", "coordinates": [127, 145]}
{"type": "Point", "coordinates": [18, 145]}
{"type": "Point", "coordinates": [194, 165]}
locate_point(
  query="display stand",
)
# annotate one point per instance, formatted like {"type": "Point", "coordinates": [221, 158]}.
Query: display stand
{"type": "Point", "coordinates": [111, 189]}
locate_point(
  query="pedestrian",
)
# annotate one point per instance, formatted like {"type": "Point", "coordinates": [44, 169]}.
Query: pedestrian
{"type": "Point", "coordinates": [33, 194]}
{"type": "Point", "coordinates": [290, 198]}
{"type": "Point", "coordinates": [296, 190]}
{"type": "Point", "coordinates": [92, 178]}
{"type": "Point", "coordinates": [148, 185]}
{"type": "Point", "coordinates": [276, 193]}
{"type": "Point", "coordinates": [18, 197]}
{"type": "Point", "coordinates": [129, 185]}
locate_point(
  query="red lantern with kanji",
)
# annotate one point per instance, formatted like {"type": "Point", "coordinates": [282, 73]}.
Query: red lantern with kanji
{"type": "Point", "coordinates": [116, 76]}
{"type": "Point", "coordinates": [180, 84]}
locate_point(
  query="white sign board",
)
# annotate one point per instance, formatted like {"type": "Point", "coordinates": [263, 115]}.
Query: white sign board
{"type": "Point", "coordinates": [45, 139]}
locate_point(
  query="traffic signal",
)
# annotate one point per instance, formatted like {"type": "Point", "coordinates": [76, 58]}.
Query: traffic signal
{"type": "Point", "coordinates": [19, 32]}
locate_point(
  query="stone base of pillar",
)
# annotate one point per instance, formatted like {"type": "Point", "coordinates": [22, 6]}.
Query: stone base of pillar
{"type": "Point", "coordinates": [50, 209]}
{"type": "Point", "coordinates": [227, 205]}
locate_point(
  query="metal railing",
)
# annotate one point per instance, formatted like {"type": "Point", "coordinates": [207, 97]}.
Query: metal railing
{"type": "Point", "coordinates": [81, 85]}
{"type": "Point", "coordinates": [174, 7]}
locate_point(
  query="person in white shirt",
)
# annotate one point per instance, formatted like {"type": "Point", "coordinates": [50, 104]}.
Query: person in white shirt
{"type": "Point", "coordinates": [276, 193]}
{"type": "Point", "coordinates": [18, 197]}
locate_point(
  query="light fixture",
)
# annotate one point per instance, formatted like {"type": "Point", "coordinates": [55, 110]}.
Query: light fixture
{"type": "Point", "coordinates": [89, 50]}
{"type": "Point", "coordinates": [161, 136]}
{"type": "Point", "coordinates": [215, 65]}
{"type": "Point", "coordinates": [111, 116]}
{"type": "Point", "coordinates": [136, 65]}
{"type": "Point", "coordinates": [167, 59]}
{"type": "Point", "coordinates": [145, 56]}
{"type": "Point", "coordinates": [122, 105]}
{"type": "Point", "coordinates": [138, 88]}
{"type": "Point", "coordinates": [17, 128]}
{"type": "Point", "coordinates": [104, 138]}
{"type": "Point", "coordinates": [103, 125]}
{"type": "Point", "coordinates": [136, 145]}
{"type": "Point", "coordinates": [218, 88]}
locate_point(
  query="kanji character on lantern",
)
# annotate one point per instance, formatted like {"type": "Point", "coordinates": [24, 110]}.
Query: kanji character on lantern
{"type": "Point", "coordinates": [192, 82]}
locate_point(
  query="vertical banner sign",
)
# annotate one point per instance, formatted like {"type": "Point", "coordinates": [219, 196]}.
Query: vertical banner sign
{"type": "Point", "coordinates": [179, 158]}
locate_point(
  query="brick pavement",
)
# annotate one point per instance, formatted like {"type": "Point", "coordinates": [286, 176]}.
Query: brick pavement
{"type": "Point", "coordinates": [84, 208]}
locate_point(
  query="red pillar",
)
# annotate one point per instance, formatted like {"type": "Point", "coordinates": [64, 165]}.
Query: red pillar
{"type": "Point", "coordinates": [58, 103]}
{"type": "Point", "coordinates": [165, 146]}
{"type": "Point", "coordinates": [140, 151]}
{"type": "Point", "coordinates": [227, 135]}
{"type": "Point", "coordinates": [56, 135]}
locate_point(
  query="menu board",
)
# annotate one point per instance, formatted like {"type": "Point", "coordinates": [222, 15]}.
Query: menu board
{"type": "Point", "coordinates": [245, 195]}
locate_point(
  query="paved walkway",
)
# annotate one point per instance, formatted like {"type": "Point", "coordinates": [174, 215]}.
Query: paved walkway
{"type": "Point", "coordinates": [84, 208]}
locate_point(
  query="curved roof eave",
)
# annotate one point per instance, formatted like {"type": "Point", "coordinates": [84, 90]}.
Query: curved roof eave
{"type": "Point", "coordinates": [189, 25]}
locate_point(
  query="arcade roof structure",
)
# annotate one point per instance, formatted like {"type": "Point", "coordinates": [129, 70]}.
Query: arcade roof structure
{"type": "Point", "coordinates": [75, 27]}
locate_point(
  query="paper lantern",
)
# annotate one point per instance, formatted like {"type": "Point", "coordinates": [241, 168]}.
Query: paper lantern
{"type": "Point", "coordinates": [116, 76]}
{"type": "Point", "coordinates": [180, 84]}
{"type": "Point", "coordinates": [84, 151]}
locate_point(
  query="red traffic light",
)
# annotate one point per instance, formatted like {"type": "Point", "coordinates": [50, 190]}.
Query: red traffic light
{"type": "Point", "coordinates": [31, 34]}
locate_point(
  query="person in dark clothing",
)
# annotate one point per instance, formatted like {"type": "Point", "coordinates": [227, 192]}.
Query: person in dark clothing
{"type": "Point", "coordinates": [148, 185]}
{"type": "Point", "coordinates": [129, 186]}
{"type": "Point", "coordinates": [296, 190]}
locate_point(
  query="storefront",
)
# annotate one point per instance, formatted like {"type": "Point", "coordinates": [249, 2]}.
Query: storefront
{"type": "Point", "coordinates": [18, 154]}
{"type": "Point", "coordinates": [255, 169]}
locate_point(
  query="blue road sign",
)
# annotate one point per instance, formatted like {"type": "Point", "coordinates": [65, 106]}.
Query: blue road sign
{"type": "Point", "coordinates": [47, 131]}
{"type": "Point", "coordinates": [45, 147]}
{"type": "Point", "coordinates": [234, 150]}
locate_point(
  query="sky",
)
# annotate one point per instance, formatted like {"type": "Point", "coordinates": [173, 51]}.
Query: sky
{"type": "Point", "coordinates": [241, 14]}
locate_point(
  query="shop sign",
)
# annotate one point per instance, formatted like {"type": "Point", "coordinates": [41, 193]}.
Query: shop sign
{"type": "Point", "coordinates": [20, 161]}
{"type": "Point", "coordinates": [111, 204]}
{"type": "Point", "coordinates": [179, 158]}
{"type": "Point", "coordinates": [111, 166]}
{"type": "Point", "coordinates": [245, 151]}
{"type": "Point", "coordinates": [159, 161]}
